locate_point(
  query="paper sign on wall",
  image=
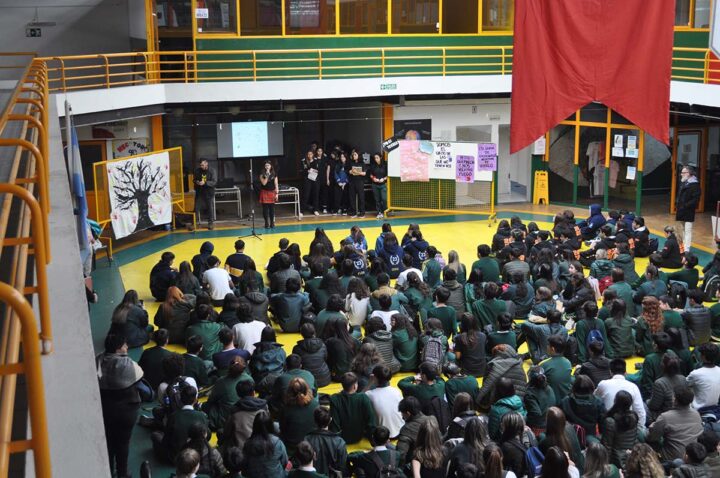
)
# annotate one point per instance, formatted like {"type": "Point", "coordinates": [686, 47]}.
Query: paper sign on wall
{"type": "Point", "coordinates": [487, 157]}
{"type": "Point", "coordinates": [464, 168]}
{"type": "Point", "coordinates": [202, 13]}
{"type": "Point", "coordinates": [442, 159]}
{"type": "Point", "coordinates": [539, 146]}
{"type": "Point", "coordinates": [413, 162]}
{"type": "Point", "coordinates": [618, 141]}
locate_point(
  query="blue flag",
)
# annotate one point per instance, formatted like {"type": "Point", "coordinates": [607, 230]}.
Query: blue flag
{"type": "Point", "coordinates": [78, 191]}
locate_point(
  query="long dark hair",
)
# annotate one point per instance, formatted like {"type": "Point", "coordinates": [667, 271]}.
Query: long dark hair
{"type": "Point", "coordinates": [493, 461]}
{"type": "Point", "coordinates": [521, 289]}
{"type": "Point", "coordinates": [476, 439]}
{"type": "Point", "coordinates": [556, 464]}
{"type": "Point", "coordinates": [330, 283]}
{"type": "Point", "coordinates": [621, 411]}
{"type": "Point", "coordinates": [129, 300]}
{"type": "Point", "coordinates": [555, 429]}
{"type": "Point", "coordinates": [322, 238]}
{"type": "Point", "coordinates": [402, 322]}
{"type": "Point", "coordinates": [618, 310]}
{"type": "Point", "coordinates": [470, 326]}
{"type": "Point", "coordinates": [339, 330]}
{"type": "Point", "coordinates": [260, 444]}
{"type": "Point", "coordinates": [359, 287]}
{"type": "Point", "coordinates": [415, 282]}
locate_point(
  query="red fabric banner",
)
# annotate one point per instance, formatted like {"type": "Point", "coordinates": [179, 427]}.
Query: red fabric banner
{"type": "Point", "coordinates": [568, 53]}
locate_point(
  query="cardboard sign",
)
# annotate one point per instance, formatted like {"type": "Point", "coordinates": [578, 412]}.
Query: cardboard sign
{"type": "Point", "coordinates": [464, 168]}
{"type": "Point", "coordinates": [390, 144]}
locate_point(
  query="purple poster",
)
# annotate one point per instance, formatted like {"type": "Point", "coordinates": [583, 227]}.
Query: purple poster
{"type": "Point", "coordinates": [487, 157]}
{"type": "Point", "coordinates": [464, 168]}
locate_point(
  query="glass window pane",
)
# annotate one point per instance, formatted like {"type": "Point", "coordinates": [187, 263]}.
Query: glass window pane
{"type": "Point", "coordinates": [617, 118]}
{"type": "Point", "coordinates": [310, 17]}
{"type": "Point", "coordinates": [260, 17]}
{"type": "Point", "coordinates": [173, 13]}
{"type": "Point", "coordinates": [682, 13]}
{"type": "Point", "coordinates": [595, 112]}
{"type": "Point", "coordinates": [498, 14]}
{"type": "Point", "coordinates": [414, 16]}
{"type": "Point", "coordinates": [221, 17]}
{"type": "Point", "coordinates": [363, 16]}
{"type": "Point", "coordinates": [460, 16]}
{"type": "Point", "coordinates": [702, 14]}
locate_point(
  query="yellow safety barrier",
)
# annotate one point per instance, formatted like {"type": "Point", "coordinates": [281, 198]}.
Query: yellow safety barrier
{"type": "Point", "coordinates": [81, 72]}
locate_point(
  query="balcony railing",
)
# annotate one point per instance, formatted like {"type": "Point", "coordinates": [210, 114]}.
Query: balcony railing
{"type": "Point", "coordinates": [71, 73]}
{"type": "Point", "coordinates": [24, 256]}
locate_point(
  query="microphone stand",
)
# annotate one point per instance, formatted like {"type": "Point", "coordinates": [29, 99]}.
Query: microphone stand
{"type": "Point", "coordinates": [252, 207]}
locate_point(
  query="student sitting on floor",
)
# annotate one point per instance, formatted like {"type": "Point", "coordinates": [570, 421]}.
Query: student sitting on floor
{"type": "Point", "coordinates": [162, 276]}
{"type": "Point", "coordinates": [376, 334]}
{"type": "Point", "coordinates": [537, 335]}
{"type": "Point", "coordinates": [558, 369]}
{"type": "Point", "coordinates": [196, 367]}
{"type": "Point", "coordinates": [543, 302]}
{"type": "Point", "coordinates": [289, 306]}
{"type": "Point", "coordinates": [330, 449]}
{"type": "Point", "coordinates": [458, 382]}
{"type": "Point", "coordinates": [689, 275]}
{"type": "Point", "coordinates": [504, 333]}
{"type": "Point", "coordinates": [224, 395]}
{"type": "Point", "coordinates": [385, 399]}
{"type": "Point", "coordinates": [597, 367]}
{"type": "Point", "coordinates": [239, 423]}
{"type": "Point", "coordinates": [187, 464]}
{"type": "Point", "coordinates": [313, 353]}
{"type": "Point", "coordinates": [293, 369]}
{"type": "Point", "coordinates": [429, 384]}
{"type": "Point", "coordinates": [225, 357]}
{"type": "Point", "coordinates": [382, 456]}
{"type": "Point", "coordinates": [217, 281]}
{"type": "Point", "coordinates": [353, 415]}
{"type": "Point", "coordinates": [304, 457]}
{"type": "Point", "coordinates": [201, 326]}
{"type": "Point", "coordinates": [168, 443]}
{"type": "Point", "coordinates": [385, 312]}
{"type": "Point", "coordinates": [152, 358]}
{"type": "Point", "coordinates": [211, 462]}
{"type": "Point", "coordinates": [447, 315]}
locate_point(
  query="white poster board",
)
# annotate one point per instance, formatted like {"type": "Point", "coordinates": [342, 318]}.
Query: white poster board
{"type": "Point", "coordinates": [425, 160]}
{"type": "Point", "coordinates": [139, 190]}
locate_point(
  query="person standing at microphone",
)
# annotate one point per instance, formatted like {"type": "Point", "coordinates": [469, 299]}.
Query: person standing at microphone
{"type": "Point", "coordinates": [205, 181]}
{"type": "Point", "coordinates": [268, 193]}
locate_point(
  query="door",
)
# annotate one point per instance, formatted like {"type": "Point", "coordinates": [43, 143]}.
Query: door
{"type": "Point", "coordinates": [92, 152]}
{"type": "Point", "coordinates": [513, 170]}
{"type": "Point", "coordinates": [689, 149]}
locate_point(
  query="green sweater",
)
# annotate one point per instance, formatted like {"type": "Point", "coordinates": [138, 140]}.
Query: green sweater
{"type": "Point", "coordinates": [489, 267]}
{"type": "Point", "coordinates": [406, 350]}
{"type": "Point", "coordinates": [651, 371]}
{"type": "Point", "coordinates": [151, 363]}
{"type": "Point", "coordinates": [353, 416]}
{"type": "Point", "coordinates": [296, 422]}
{"type": "Point", "coordinates": [558, 371]}
{"type": "Point", "coordinates": [488, 311]}
{"type": "Point", "coordinates": [714, 310]}
{"type": "Point", "coordinates": [625, 292]}
{"type": "Point", "coordinates": [673, 319]}
{"type": "Point", "coordinates": [222, 399]}
{"type": "Point", "coordinates": [620, 336]}
{"type": "Point", "coordinates": [507, 337]}
{"type": "Point", "coordinates": [447, 316]}
{"type": "Point", "coordinates": [431, 273]}
{"type": "Point", "coordinates": [459, 384]}
{"type": "Point", "coordinates": [422, 391]}
{"type": "Point", "coordinates": [195, 367]}
{"type": "Point", "coordinates": [537, 401]}
{"type": "Point", "coordinates": [582, 329]}
{"type": "Point", "coordinates": [209, 333]}
{"type": "Point", "coordinates": [178, 427]}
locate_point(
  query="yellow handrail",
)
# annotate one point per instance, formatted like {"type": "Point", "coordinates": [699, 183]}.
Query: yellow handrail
{"type": "Point", "coordinates": [78, 72]}
{"type": "Point", "coordinates": [32, 368]}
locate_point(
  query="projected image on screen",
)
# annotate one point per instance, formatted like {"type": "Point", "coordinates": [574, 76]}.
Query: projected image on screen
{"type": "Point", "coordinates": [250, 139]}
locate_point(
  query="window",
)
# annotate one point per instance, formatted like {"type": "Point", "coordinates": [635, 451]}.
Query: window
{"type": "Point", "coordinates": [221, 16]}
{"type": "Point", "coordinates": [702, 14]}
{"type": "Point", "coordinates": [682, 13]}
{"type": "Point", "coordinates": [363, 16]}
{"type": "Point", "coordinates": [460, 16]}
{"type": "Point", "coordinates": [498, 14]}
{"type": "Point", "coordinates": [415, 16]}
{"type": "Point", "coordinates": [173, 14]}
{"type": "Point", "coordinates": [260, 17]}
{"type": "Point", "coordinates": [310, 17]}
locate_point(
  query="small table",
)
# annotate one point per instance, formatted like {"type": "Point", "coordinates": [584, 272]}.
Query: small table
{"type": "Point", "coordinates": [289, 195]}
{"type": "Point", "coordinates": [229, 195]}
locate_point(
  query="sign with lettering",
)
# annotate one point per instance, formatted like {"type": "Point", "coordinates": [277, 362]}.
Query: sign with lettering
{"type": "Point", "coordinates": [464, 168]}
{"type": "Point", "coordinates": [390, 144]}
{"type": "Point", "coordinates": [487, 157]}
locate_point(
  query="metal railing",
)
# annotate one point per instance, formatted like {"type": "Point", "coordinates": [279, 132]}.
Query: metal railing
{"type": "Point", "coordinates": [80, 72]}
{"type": "Point", "coordinates": [25, 254]}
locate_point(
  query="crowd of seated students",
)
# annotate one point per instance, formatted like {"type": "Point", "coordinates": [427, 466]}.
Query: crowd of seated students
{"type": "Point", "coordinates": [577, 412]}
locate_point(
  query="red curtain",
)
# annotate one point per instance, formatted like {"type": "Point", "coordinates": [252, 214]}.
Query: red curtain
{"type": "Point", "coordinates": [568, 53]}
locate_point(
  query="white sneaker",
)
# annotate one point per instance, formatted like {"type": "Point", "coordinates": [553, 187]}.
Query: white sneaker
{"type": "Point", "coordinates": [300, 215]}
{"type": "Point", "coordinates": [317, 213]}
{"type": "Point", "coordinates": [354, 216]}
{"type": "Point", "coordinates": [324, 211]}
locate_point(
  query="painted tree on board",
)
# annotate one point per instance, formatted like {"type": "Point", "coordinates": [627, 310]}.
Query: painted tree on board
{"type": "Point", "coordinates": [136, 181]}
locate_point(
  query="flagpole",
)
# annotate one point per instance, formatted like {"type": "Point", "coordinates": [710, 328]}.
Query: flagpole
{"type": "Point", "coordinates": [69, 147]}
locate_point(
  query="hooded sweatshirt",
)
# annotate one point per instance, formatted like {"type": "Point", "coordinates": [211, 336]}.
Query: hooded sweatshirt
{"type": "Point", "coordinates": [499, 409]}
{"type": "Point", "coordinates": [506, 364]}
{"type": "Point", "coordinates": [239, 424]}
{"type": "Point", "coordinates": [594, 222]}
{"type": "Point", "coordinates": [627, 264]}
{"type": "Point", "coordinates": [418, 250]}
{"type": "Point", "coordinates": [199, 262]}
{"type": "Point", "coordinates": [268, 357]}
{"type": "Point", "coordinates": [584, 410]}
{"type": "Point", "coordinates": [258, 305]}
{"type": "Point", "coordinates": [314, 359]}
{"type": "Point", "coordinates": [383, 341]}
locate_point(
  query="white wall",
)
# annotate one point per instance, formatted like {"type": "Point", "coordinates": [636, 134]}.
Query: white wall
{"type": "Point", "coordinates": [83, 27]}
{"type": "Point", "coordinates": [137, 128]}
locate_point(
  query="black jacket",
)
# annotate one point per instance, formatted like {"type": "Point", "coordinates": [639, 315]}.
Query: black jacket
{"type": "Point", "coordinates": [598, 369]}
{"type": "Point", "coordinates": [330, 451]}
{"type": "Point", "coordinates": [687, 201]}
{"type": "Point", "coordinates": [699, 320]}
{"type": "Point", "coordinates": [314, 359]}
{"type": "Point", "coordinates": [162, 276]}
{"type": "Point", "coordinates": [672, 258]}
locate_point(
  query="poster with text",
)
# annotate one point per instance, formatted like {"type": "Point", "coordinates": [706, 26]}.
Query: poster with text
{"type": "Point", "coordinates": [139, 189]}
{"type": "Point", "coordinates": [414, 162]}
{"type": "Point", "coordinates": [464, 168]}
{"type": "Point", "coordinates": [442, 163]}
{"type": "Point", "coordinates": [487, 157]}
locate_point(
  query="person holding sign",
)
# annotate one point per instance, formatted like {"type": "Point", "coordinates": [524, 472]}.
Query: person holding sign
{"type": "Point", "coordinates": [268, 193]}
{"type": "Point", "coordinates": [378, 175]}
{"type": "Point", "coordinates": [311, 188]}
{"type": "Point", "coordinates": [357, 184]}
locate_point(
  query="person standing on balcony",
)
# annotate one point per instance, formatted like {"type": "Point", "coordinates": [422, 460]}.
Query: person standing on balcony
{"type": "Point", "coordinates": [269, 190]}
{"type": "Point", "coordinates": [686, 202]}
{"type": "Point", "coordinates": [205, 180]}
{"type": "Point", "coordinates": [311, 186]}
{"type": "Point", "coordinates": [357, 172]}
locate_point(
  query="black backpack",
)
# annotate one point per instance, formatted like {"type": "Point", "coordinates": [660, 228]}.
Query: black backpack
{"type": "Point", "coordinates": [571, 350]}
{"type": "Point", "coordinates": [389, 470]}
{"type": "Point", "coordinates": [440, 409]}
{"type": "Point", "coordinates": [171, 400]}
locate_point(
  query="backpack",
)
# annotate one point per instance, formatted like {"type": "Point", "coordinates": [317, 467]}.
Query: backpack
{"type": "Point", "coordinates": [440, 409]}
{"type": "Point", "coordinates": [571, 350]}
{"type": "Point", "coordinates": [534, 459]}
{"type": "Point", "coordinates": [386, 471]}
{"type": "Point", "coordinates": [171, 400]}
{"type": "Point", "coordinates": [594, 335]}
{"type": "Point", "coordinates": [710, 287]}
{"type": "Point", "coordinates": [434, 352]}
{"type": "Point", "coordinates": [604, 283]}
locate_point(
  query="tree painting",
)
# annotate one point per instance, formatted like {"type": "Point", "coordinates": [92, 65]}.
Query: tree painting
{"type": "Point", "coordinates": [133, 183]}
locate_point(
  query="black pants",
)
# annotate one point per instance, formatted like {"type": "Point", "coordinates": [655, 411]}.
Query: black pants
{"type": "Point", "coordinates": [119, 421]}
{"type": "Point", "coordinates": [326, 194]}
{"type": "Point", "coordinates": [205, 205]}
{"type": "Point", "coordinates": [311, 192]}
{"type": "Point", "coordinates": [341, 198]}
{"type": "Point", "coordinates": [269, 214]}
{"type": "Point", "coordinates": [357, 193]}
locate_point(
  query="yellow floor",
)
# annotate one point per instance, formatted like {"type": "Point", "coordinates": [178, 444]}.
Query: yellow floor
{"type": "Point", "coordinates": [463, 237]}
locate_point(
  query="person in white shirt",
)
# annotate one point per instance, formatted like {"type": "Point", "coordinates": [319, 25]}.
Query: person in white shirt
{"type": "Point", "coordinates": [248, 331]}
{"type": "Point", "coordinates": [401, 282]}
{"type": "Point", "coordinates": [385, 400]}
{"type": "Point", "coordinates": [385, 313]}
{"type": "Point", "coordinates": [218, 281]}
{"type": "Point", "coordinates": [705, 381]}
{"type": "Point", "coordinates": [357, 303]}
{"type": "Point", "coordinates": [607, 389]}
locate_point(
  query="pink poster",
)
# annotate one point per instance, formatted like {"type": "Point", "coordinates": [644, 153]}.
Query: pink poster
{"type": "Point", "coordinates": [414, 164]}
